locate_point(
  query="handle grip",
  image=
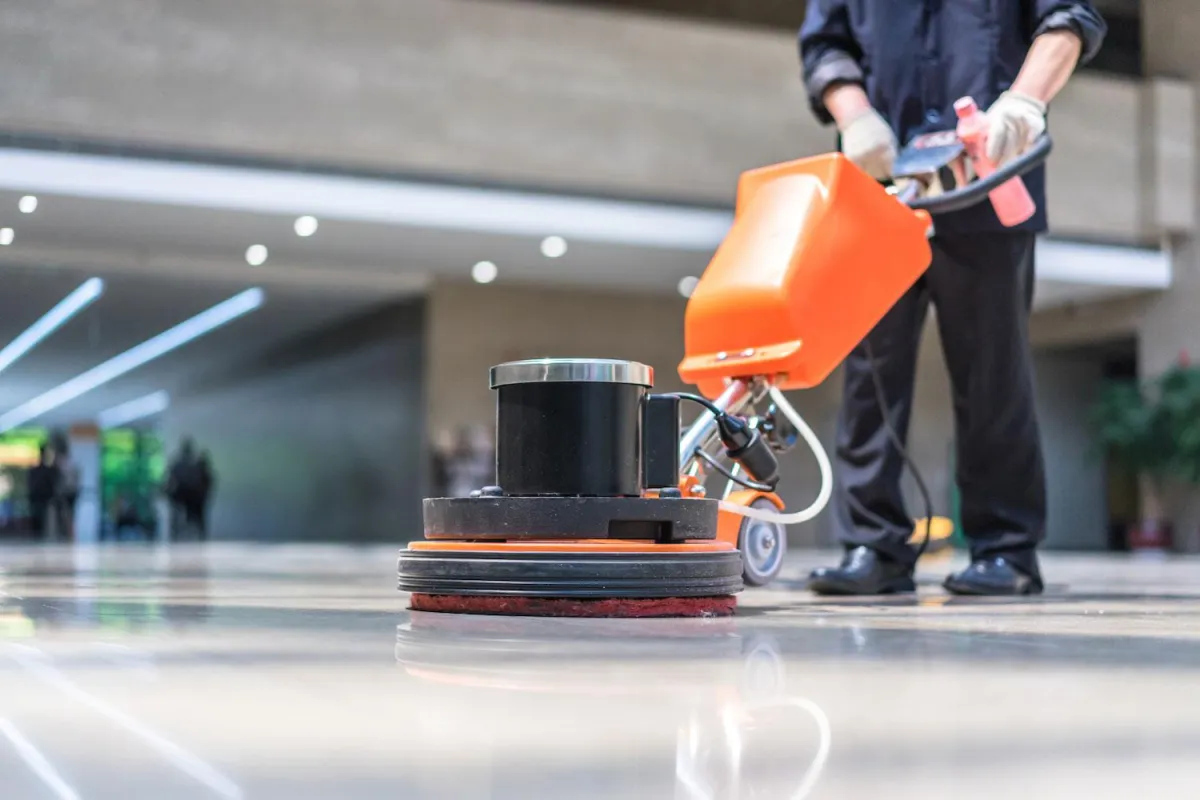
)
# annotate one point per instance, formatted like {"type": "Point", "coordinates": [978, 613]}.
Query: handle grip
{"type": "Point", "coordinates": [976, 192]}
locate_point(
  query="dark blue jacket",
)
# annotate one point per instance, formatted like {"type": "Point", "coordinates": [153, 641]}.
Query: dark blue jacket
{"type": "Point", "coordinates": [914, 58]}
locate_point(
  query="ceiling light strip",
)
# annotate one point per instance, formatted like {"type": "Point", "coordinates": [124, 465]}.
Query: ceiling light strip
{"type": "Point", "coordinates": [134, 410]}
{"type": "Point", "coordinates": [87, 293]}
{"type": "Point", "coordinates": [373, 200]}
{"type": "Point", "coordinates": [186, 331]}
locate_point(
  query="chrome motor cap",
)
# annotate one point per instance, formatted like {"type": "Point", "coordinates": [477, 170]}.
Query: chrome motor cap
{"type": "Point", "coordinates": [572, 370]}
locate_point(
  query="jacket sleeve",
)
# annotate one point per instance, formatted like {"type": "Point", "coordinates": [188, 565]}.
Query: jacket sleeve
{"type": "Point", "coordinates": [1077, 16]}
{"type": "Point", "coordinates": [828, 52]}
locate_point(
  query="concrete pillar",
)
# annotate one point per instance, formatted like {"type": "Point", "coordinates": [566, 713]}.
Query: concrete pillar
{"type": "Point", "coordinates": [1169, 31]}
{"type": "Point", "coordinates": [1171, 322]}
{"type": "Point", "coordinates": [84, 441]}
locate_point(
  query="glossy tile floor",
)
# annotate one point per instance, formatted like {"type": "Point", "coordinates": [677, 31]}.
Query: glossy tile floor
{"type": "Point", "coordinates": [295, 672]}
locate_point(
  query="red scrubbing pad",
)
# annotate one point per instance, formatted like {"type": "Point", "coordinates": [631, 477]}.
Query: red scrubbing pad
{"type": "Point", "coordinates": [627, 607]}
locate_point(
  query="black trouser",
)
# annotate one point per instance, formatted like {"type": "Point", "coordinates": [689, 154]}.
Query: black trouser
{"type": "Point", "coordinates": [39, 514]}
{"type": "Point", "coordinates": [189, 512]}
{"type": "Point", "coordinates": [194, 511]}
{"type": "Point", "coordinates": [981, 286]}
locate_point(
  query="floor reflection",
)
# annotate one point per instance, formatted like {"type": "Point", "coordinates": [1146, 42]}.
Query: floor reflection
{"type": "Point", "coordinates": [731, 706]}
{"type": "Point", "coordinates": [294, 672]}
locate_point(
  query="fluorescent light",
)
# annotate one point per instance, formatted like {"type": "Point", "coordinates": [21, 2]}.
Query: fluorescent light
{"type": "Point", "coordinates": [27, 204]}
{"type": "Point", "coordinates": [687, 285]}
{"type": "Point", "coordinates": [256, 255]}
{"type": "Point", "coordinates": [372, 200]}
{"type": "Point", "coordinates": [52, 320]}
{"type": "Point", "coordinates": [484, 272]}
{"type": "Point", "coordinates": [133, 410]}
{"type": "Point", "coordinates": [554, 246]}
{"type": "Point", "coordinates": [305, 226]}
{"type": "Point", "coordinates": [6, 236]}
{"type": "Point", "coordinates": [170, 339]}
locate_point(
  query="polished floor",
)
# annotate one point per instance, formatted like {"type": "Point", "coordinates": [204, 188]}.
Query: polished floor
{"type": "Point", "coordinates": [296, 672]}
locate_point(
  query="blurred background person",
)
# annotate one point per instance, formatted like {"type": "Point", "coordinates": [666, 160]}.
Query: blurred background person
{"type": "Point", "coordinates": [41, 484]}
{"type": "Point", "coordinates": [127, 522]}
{"type": "Point", "coordinates": [206, 484]}
{"type": "Point", "coordinates": [66, 494]}
{"type": "Point", "coordinates": [441, 451]}
{"type": "Point", "coordinates": [472, 464]}
{"type": "Point", "coordinates": [186, 489]}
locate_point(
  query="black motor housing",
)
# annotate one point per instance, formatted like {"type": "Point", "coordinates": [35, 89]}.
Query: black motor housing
{"type": "Point", "coordinates": [578, 443]}
{"type": "Point", "coordinates": [569, 439]}
{"type": "Point", "coordinates": [578, 428]}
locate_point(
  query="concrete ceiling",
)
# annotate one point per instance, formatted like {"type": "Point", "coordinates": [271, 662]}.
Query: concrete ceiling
{"type": "Point", "coordinates": [774, 13]}
{"type": "Point", "coordinates": [146, 238]}
{"type": "Point", "coordinates": [1127, 8]}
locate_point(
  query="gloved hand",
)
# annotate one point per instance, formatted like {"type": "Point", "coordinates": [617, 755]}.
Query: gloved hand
{"type": "Point", "coordinates": [1015, 121]}
{"type": "Point", "coordinates": [868, 141]}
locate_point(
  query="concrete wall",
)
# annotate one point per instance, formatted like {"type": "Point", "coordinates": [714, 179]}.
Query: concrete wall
{"type": "Point", "coordinates": [517, 92]}
{"type": "Point", "coordinates": [1165, 323]}
{"type": "Point", "coordinates": [320, 442]}
{"type": "Point", "coordinates": [1172, 320]}
{"type": "Point", "coordinates": [471, 328]}
{"type": "Point", "coordinates": [1067, 382]}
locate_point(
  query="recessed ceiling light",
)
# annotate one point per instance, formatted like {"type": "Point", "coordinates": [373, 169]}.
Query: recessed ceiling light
{"type": "Point", "coordinates": [554, 246]}
{"type": "Point", "coordinates": [6, 236]}
{"type": "Point", "coordinates": [484, 272]}
{"type": "Point", "coordinates": [688, 285]}
{"type": "Point", "coordinates": [306, 226]}
{"type": "Point", "coordinates": [27, 204]}
{"type": "Point", "coordinates": [256, 255]}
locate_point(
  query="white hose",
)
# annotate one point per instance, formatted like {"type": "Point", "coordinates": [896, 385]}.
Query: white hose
{"type": "Point", "coordinates": [823, 464]}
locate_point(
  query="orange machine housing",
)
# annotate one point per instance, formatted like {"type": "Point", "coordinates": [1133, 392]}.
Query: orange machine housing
{"type": "Point", "coordinates": [817, 254]}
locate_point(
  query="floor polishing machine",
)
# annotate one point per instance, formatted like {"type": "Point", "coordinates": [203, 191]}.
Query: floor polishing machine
{"type": "Point", "coordinates": [601, 506]}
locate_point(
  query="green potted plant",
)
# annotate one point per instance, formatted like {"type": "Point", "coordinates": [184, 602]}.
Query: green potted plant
{"type": "Point", "coordinates": [1152, 429]}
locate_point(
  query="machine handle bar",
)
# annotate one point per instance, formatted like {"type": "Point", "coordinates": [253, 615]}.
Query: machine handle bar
{"type": "Point", "coordinates": [975, 192]}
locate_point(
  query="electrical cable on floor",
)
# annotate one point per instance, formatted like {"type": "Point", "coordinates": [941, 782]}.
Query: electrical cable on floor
{"type": "Point", "coordinates": [881, 399]}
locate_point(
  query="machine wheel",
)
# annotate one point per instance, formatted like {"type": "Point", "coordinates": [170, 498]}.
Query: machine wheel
{"type": "Point", "coordinates": [763, 545]}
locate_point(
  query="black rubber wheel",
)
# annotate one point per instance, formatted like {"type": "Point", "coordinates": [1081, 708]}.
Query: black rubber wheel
{"type": "Point", "coordinates": [763, 545]}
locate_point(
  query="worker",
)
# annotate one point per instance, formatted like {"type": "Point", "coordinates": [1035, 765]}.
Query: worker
{"type": "Point", "coordinates": [885, 71]}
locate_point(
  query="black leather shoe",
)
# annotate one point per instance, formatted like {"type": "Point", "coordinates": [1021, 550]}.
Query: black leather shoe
{"type": "Point", "coordinates": [993, 576]}
{"type": "Point", "coordinates": [863, 571]}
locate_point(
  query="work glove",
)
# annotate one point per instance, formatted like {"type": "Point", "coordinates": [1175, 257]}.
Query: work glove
{"type": "Point", "coordinates": [1015, 122]}
{"type": "Point", "coordinates": [868, 141]}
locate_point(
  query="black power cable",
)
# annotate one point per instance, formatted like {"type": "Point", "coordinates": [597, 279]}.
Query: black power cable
{"type": "Point", "coordinates": [881, 399]}
{"type": "Point", "coordinates": [698, 399]}
{"type": "Point", "coordinates": [893, 437]}
{"type": "Point", "coordinates": [749, 484]}
{"type": "Point", "coordinates": [743, 444]}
